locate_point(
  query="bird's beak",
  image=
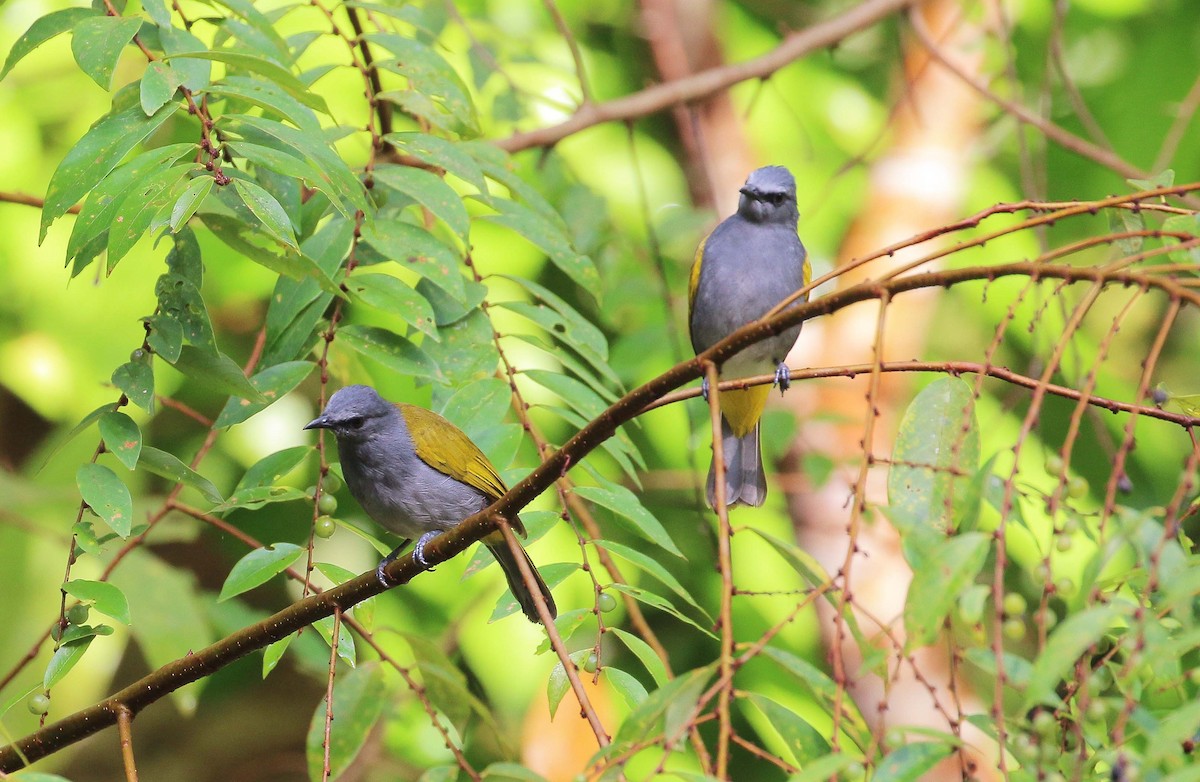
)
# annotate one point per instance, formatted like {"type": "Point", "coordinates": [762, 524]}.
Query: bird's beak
{"type": "Point", "coordinates": [747, 191]}
{"type": "Point", "coordinates": [320, 422]}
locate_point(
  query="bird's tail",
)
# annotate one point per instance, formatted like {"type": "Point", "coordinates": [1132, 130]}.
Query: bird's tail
{"type": "Point", "coordinates": [745, 480]}
{"type": "Point", "coordinates": [516, 582]}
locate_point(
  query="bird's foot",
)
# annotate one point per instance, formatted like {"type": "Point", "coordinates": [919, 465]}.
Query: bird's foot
{"type": "Point", "coordinates": [419, 549]}
{"type": "Point", "coordinates": [380, 576]}
{"type": "Point", "coordinates": [704, 387]}
{"type": "Point", "coordinates": [783, 377]}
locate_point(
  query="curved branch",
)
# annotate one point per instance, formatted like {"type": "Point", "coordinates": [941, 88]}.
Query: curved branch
{"type": "Point", "coordinates": [705, 83]}
{"type": "Point", "coordinates": [195, 666]}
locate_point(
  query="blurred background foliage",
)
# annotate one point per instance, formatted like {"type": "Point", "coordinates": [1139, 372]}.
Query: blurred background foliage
{"type": "Point", "coordinates": [628, 198]}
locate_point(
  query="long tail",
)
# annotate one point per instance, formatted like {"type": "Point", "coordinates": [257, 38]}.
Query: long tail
{"type": "Point", "coordinates": [516, 583]}
{"type": "Point", "coordinates": [745, 480]}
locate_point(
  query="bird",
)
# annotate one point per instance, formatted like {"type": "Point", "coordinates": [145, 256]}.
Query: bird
{"type": "Point", "coordinates": [418, 475]}
{"type": "Point", "coordinates": [749, 263]}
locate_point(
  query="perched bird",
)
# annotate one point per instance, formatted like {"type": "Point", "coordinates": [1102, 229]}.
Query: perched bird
{"type": "Point", "coordinates": [418, 475]}
{"type": "Point", "coordinates": [744, 268]}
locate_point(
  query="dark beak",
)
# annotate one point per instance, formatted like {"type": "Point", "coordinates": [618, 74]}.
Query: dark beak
{"type": "Point", "coordinates": [748, 191]}
{"type": "Point", "coordinates": [320, 422]}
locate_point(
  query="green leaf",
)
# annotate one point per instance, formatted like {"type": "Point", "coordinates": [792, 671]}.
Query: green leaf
{"type": "Point", "coordinates": [428, 190]}
{"type": "Point", "coordinates": [216, 371]}
{"type": "Point", "coordinates": [444, 682]}
{"type": "Point", "coordinates": [165, 335]}
{"type": "Point", "coordinates": [466, 352]}
{"type": "Point", "coordinates": [936, 587]}
{"type": "Point", "coordinates": [1127, 221]}
{"type": "Point", "coordinates": [107, 496]}
{"type": "Point", "coordinates": [264, 94]}
{"type": "Point", "coordinates": [389, 349]}
{"type": "Point", "coordinates": [437, 151]}
{"type": "Point", "coordinates": [558, 684]}
{"type": "Point", "coordinates": [651, 566]}
{"type": "Point", "coordinates": [392, 296]}
{"type": "Point", "coordinates": [64, 659]}
{"type": "Point", "coordinates": [569, 326]}
{"type": "Point", "coordinates": [139, 208]}
{"type": "Point", "coordinates": [157, 11]}
{"type": "Point", "coordinates": [268, 210]}
{"type": "Point", "coordinates": [167, 466]}
{"type": "Point", "coordinates": [646, 597]}
{"type": "Point", "coordinates": [435, 90]}
{"type": "Point", "coordinates": [97, 43]}
{"type": "Point", "coordinates": [83, 424]}
{"type": "Point", "coordinates": [273, 653]}
{"type": "Point", "coordinates": [800, 560]}
{"type": "Point", "coordinates": [190, 200]}
{"type": "Point", "coordinates": [936, 454]}
{"type": "Point", "coordinates": [553, 574]}
{"type": "Point", "coordinates": [358, 702]}
{"type": "Point", "coordinates": [478, 406]}
{"type": "Point", "coordinates": [272, 383]}
{"type": "Point", "coordinates": [626, 505]}
{"type": "Point", "coordinates": [1189, 226]}
{"type": "Point", "coordinates": [256, 497]}
{"type": "Point", "coordinates": [37, 776]}
{"type": "Point", "coordinates": [910, 762]}
{"type": "Point", "coordinates": [267, 250]}
{"type": "Point", "coordinates": [418, 250]}
{"type": "Point", "coordinates": [196, 74]}
{"type": "Point", "coordinates": [645, 654]}
{"type": "Point", "coordinates": [667, 709]}
{"type": "Point", "coordinates": [548, 237]}
{"type": "Point", "coordinates": [49, 26]}
{"type": "Point", "coordinates": [506, 772]}
{"type": "Point", "coordinates": [273, 72]}
{"type": "Point", "coordinates": [627, 686]}
{"type": "Point", "coordinates": [823, 769]}
{"type": "Point", "coordinates": [106, 598]}
{"type": "Point", "coordinates": [1164, 178]}
{"type": "Point", "coordinates": [258, 567]}
{"type": "Point", "coordinates": [336, 176]}
{"type": "Point", "coordinates": [94, 156]}
{"type": "Point", "coordinates": [122, 438]}
{"type": "Point", "coordinates": [159, 83]}
{"type": "Point", "coordinates": [179, 299]}
{"type": "Point", "coordinates": [268, 470]}
{"type": "Point", "coordinates": [1064, 646]}
{"type": "Point", "coordinates": [803, 740]}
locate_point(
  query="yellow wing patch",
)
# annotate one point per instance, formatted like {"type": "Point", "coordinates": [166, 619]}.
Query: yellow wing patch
{"type": "Point", "coordinates": [743, 408]}
{"type": "Point", "coordinates": [447, 449]}
{"type": "Point", "coordinates": [694, 279]}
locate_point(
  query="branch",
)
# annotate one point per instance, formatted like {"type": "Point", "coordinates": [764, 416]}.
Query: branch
{"type": "Point", "coordinates": [705, 83]}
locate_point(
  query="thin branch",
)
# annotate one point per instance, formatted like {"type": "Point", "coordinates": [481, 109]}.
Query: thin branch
{"type": "Point", "coordinates": [705, 83]}
{"type": "Point", "coordinates": [326, 742]}
{"type": "Point", "coordinates": [125, 731]}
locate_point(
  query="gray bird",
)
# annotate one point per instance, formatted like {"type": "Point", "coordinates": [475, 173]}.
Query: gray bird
{"type": "Point", "coordinates": [418, 475]}
{"type": "Point", "coordinates": [747, 265]}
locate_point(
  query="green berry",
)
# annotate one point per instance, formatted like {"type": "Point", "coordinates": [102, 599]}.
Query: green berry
{"type": "Point", "coordinates": [324, 527]}
{"type": "Point", "coordinates": [1014, 629]}
{"type": "Point", "coordinates": [38, 703]}
{"type": "Point", "coordinates": [1063, 542]}
{"type": "Point", "coordinates": [1025, 748]}
{"type": "Point", "coordinates": [1077, 487]}
{"type": "Point", "coordinates": [1096, 710]}
{"type": "Point", "coordinates": [311, 491]}
{"type": "Point", "coordinates": [1070, 525]}
{"type": "Point", "coordinates": [1014, 604]}
{"type": "Point", "coordinates": [606, 602]}
{"type": "Point", "coordinates": [591, 663]}
{"type": "Point", "coordinates": [854, 771]}
{"type": "Point", "coordinates": [1045, 724]}
{"type": "Point", "coordinates": [56, 631]}
{"type": "Point", "coordinates": [331, 483]}
{"type": "Point", "coordinates": [1054, 465]}
{"type": "Point", "coordinates": [77, 614]}
{"type": "Point", "coordinates": [327, 504]}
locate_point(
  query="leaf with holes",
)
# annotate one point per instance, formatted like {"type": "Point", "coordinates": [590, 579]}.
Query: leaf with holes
{"type": "Point", "coordinates": [94, 156]}
{"type": "Point", "coordinates": [272, 383]}
{"type": "Point", "coordinates": [107, 496]}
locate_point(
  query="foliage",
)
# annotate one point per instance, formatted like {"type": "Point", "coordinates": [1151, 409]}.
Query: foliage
{"type": "Point", "coordinates": [258, 234]}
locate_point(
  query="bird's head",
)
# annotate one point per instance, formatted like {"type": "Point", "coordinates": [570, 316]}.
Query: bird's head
{"type": "Point", "coordinates": [354, 412]}
{"type": "Point", "coordinates": [769, 196]}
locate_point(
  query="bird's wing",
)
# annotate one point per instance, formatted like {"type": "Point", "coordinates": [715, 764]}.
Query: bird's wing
{"type": "Point", "coordinates": [447, 449]}
{"type": "Point", "coordinates": [694, 279]}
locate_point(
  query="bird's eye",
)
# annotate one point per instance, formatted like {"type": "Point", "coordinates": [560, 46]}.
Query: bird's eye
{"type": "Point", "coordinates": [776, 198]}
{"type": "Point", "coordinates": [354, 423]}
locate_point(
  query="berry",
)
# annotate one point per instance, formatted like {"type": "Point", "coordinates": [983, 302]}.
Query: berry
{"type": "Point", "coordinates": [606, 602]}
{"type": "Point", "coordinates": [591, 663]}
{"type": "Point", "coordinates": [1044, 723]}
{"type": "Point", "coordinates": [38, 703]}
{"type": "Point", "coordinates": [77, 614]}
{"type": "Point", "coordinates": [1014, 629]}
{"type": "Point", "coordinates": [1054, 465]}
{"type": "Point", "coordinates": [1063, 541]}
{"type": "Point", "coordinates": [328, 504]}
{"type": "Point", "coordinates": [1077, 487]}
{"type": "Point", "coordinates": [324, 527]}
{"type": "Point", "coordinates": [1014, 604]}
{"type": "Point", "coordinates": [330, 483]}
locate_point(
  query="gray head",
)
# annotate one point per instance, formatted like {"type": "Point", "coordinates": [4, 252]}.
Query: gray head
{"type": "Point", "coordinates": [353, 412]}
{"type": "Point", "coordinates": [769, 196]}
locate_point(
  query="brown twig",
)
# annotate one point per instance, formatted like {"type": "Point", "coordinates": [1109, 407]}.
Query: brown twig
{"type": "Point", "coordinates": [125, 731]}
